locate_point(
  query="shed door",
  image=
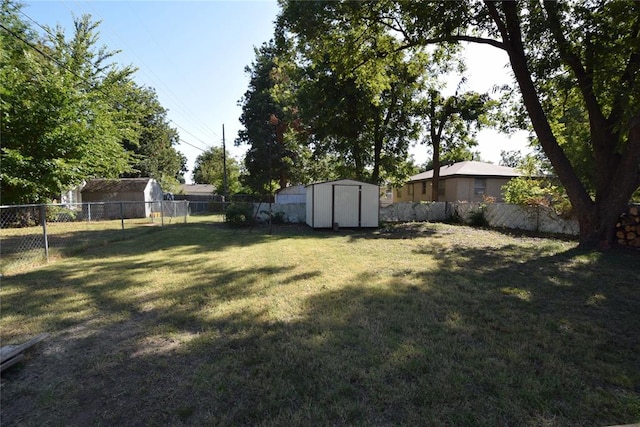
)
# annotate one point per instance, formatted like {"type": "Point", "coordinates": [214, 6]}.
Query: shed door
{"type": "Point", "coordinates": [346, 205]}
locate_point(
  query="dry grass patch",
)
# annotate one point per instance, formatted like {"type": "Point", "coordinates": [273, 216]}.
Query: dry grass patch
{"type": "Point", "coordinates": [412, 324]}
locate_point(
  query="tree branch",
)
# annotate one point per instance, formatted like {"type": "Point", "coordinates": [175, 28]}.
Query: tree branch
{"type": "Point", "coordinates": [585, 80]}
{"type": "Point", "coordinates": [511, 32]}
{"type": "Point", "coordinates": [627, 78]}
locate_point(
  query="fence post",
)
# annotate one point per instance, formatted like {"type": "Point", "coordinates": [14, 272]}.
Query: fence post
{"type": "Point", "coordinates": [89, 212]}
{"type": "Point", "coordinates": [162, 213]}
{"type": "Point", "coordinates": [43, 219]}
{"type": "Point", "coordinates": [122, 218]}
{"type": "Point", "coordinates": [186, 210]}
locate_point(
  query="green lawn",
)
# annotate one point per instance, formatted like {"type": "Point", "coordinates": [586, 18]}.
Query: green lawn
{"type": "Point", "coordinates": [428, 324]}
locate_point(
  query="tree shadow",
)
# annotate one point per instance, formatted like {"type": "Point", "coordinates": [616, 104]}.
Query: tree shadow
{"type": "Point", "coordinates": [506, 335]}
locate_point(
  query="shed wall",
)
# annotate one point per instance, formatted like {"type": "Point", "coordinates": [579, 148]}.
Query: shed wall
{"type": "Point", "coordinates": [370, 206]}
{"type": "Point", "coordinates": [348, 203]}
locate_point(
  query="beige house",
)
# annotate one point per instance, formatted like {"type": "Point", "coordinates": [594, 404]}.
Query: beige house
{"type": "Point", "coordinates": [467, 181]}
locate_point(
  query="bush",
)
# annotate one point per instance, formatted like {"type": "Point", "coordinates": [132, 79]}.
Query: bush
{"type": "Point", "coordinates": [477, 217]}
{"type": "Point", "coordinates": [60, 214]}
{"type": "Point", "coordinates": [239, 214]}
{"type": "Point", "coordinates": [276, 217]}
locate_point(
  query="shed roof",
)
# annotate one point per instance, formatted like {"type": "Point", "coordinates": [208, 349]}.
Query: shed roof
{"type": "Point", "coordinates": [343, 181]}
{"type": "Point", "coordinates": [469, 168]}
{"type": "Point", "coordinates": [197, 189]}
{"type": "Point", "coordinates": [122, 185]}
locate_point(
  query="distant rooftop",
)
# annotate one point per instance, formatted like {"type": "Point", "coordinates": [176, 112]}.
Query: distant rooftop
{"type": "Point", "coordinates": [469, 168]}
{"type": "Point", "coordinates": [197, 189]}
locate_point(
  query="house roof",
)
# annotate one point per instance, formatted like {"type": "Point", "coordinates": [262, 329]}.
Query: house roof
{"type": "Point", "coordinates": [197, 189]}
{"type": "Point", "coordinates": [122, 185]}
{"type": "Point", "coordinates": [469, 168]}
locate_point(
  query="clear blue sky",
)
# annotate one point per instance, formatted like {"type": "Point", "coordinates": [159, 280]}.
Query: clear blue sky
{"type": "Point", "coordinates": [194, 54]}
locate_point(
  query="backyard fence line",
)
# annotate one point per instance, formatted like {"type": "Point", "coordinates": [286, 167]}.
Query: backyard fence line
{"type": "Point", "coordinates": [28, 232]}
{"type": "Point", "coordinates": [502, 215]}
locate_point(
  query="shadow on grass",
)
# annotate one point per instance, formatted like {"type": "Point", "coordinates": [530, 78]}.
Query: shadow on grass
{"type": "Point", "coordinates": [507, 335]}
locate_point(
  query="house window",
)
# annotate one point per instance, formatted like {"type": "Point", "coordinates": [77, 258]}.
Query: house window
{"type": "Point", "coordinates": [480, 187]}
{"type": "Point", "coordinates": [441, 187]}
{"type": "Point", "coordinates": [424, 187]}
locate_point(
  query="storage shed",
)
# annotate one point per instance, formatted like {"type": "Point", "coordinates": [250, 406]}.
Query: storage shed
{"type": "Point", "coordinates": [342, 203]}
{"type": "Point", "coordinates": [139, 194]}
{"type": "Point", "coordinates": [293, 194]}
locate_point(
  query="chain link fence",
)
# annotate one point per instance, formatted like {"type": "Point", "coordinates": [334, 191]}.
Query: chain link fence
{"type": "Point", "coordinates": [30, 234]}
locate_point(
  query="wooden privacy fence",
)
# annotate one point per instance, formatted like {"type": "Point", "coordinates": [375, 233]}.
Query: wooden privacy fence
{"type": "Point", "coordinates": [530, 218]}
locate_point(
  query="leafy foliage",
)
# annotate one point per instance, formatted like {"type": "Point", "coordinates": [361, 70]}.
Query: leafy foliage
{"type": "Point", "coordinates": [356, 93]}
{"type": "Point", "coordinates": [239, 214]}
{"type": "Point", "coordinates": [270, 156]}
{"type": "Point", "coordinates": [209, 169]}
{"type": "Point", "coordinates": [534, 188]}
{"type": "Point", "coordinates": [70, 113]}
{"type": "Point", "coordinates": [577, 66]}
{"type": "Point", "coordinates": [155, 155]}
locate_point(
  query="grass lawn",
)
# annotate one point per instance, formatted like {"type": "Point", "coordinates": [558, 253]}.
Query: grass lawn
{"type": "Point", "coordinates": [429, 324]}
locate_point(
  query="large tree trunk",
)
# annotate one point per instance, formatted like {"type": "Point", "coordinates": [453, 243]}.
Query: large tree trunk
{"type": "Point", "coordinates": [435, 181]}
{"type": "Point", "coordinates": [616, 184]}
{"type": "Point", "coordinates": [617, 174]}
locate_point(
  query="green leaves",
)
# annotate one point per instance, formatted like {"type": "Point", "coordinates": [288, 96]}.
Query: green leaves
{"type": "Point", "coordinates": [70, 113]}
{"type": "Point", "coordinates": [209, 169]}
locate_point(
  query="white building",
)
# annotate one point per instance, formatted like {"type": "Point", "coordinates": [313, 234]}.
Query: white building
{"type": "Point", "coordinates": [342, 203]}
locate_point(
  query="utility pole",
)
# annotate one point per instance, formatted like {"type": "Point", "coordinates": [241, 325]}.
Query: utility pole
{"type": "Point", "coordinates": [224, 167]}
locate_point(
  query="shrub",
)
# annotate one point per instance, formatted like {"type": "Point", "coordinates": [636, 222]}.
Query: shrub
{"type": "Point", "coordinates": [276, 217]}
{"type": "Point", "coordinates": [239, 214]}
{"type": "Point", "coordinates": [477, 217]}
{"type": "Point", "coordinates": [60, 214]}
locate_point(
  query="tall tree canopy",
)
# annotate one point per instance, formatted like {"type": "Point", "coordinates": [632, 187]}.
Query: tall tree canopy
{"type": "Point", "coordinates": [69, 113]}
{"type": "Point", "coordinates": [155, 154]}
{"type": "Point", "coordinates": [270, 156]}
{"type": "Point", "coordinates": [357, 92]}
{"type": "Point", "coordinates": [577, 66]}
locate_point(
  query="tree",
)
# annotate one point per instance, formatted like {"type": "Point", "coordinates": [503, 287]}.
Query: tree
{"type": "Point", "coordinates": [271, 156]}
{"type": "Point", "coordinates": [451, 156]}
{"type": "Point", "coordinates": [155, 154]}
{"type": "Point", "coordinates": [534, 187]}
{"type": "Point", "coordinates": [452, 123]}
{"type": "Point", "coordinates": [511, 159]}
{"type": "Point", "coordinates": [61, 121]}
{"type": "Point", "coordinates": [590, 50]}
{"type": "Point", "coordinates": [357, 94]}
{"type": "Point", "coordinates": [209, 169]}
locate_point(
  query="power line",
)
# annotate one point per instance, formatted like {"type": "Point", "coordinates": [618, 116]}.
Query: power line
{"type": "Point", "coordinates": [190, 145]}
{"type": "Point", "coordinates": [46, 55]}
{"type": "Point", "coordinates": [154, 77]}
{"type": "Point", "coordinates": [161, 49]}
{"type": "Point", "coordinates": [205, 144]}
